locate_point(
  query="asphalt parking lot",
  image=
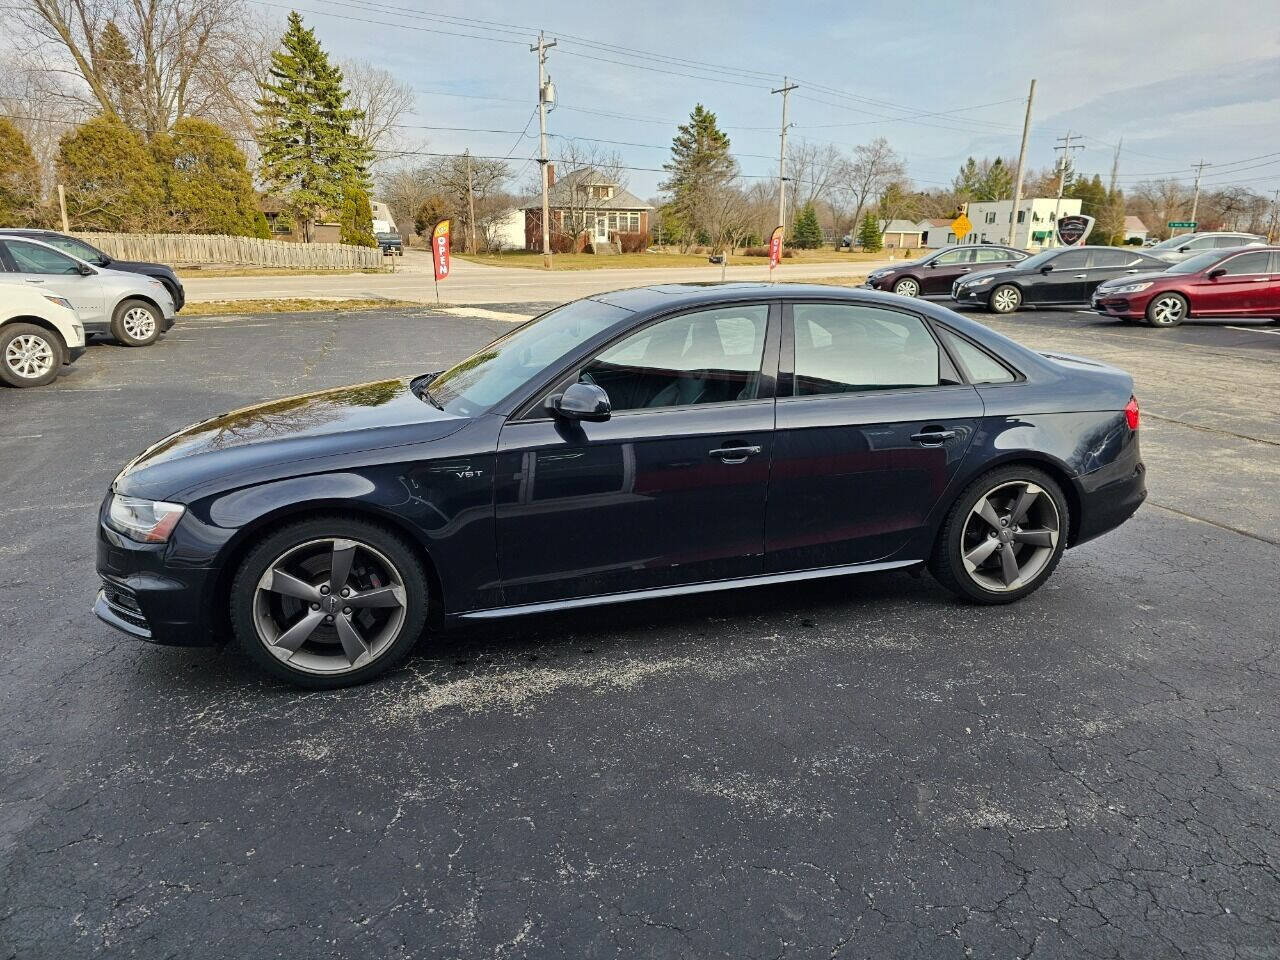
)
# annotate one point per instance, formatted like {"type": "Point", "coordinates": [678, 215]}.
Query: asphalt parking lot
{"type": "Point", "coordinates": [854, 768]}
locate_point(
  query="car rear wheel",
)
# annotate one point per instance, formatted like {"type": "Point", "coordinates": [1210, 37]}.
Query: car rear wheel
{"type": "Point", "coordinates": [1167, 310]}
{"type": "Point", "coordinates": [907, 287]}
{"type": "Point", "coordinates": [1003, 537]}
{"type": "Point", "coordinates": [1006, 298]}
{"type": "Point", "coordinates": [136, 323]}
{"type": "Point", "coordinates": [29, 355]}
{"type": "Point", "coordinates": [329, 602]}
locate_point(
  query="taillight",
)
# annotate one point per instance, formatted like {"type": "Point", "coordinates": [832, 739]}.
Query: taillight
{"type": "Point", "coordinates": [1131, 413]}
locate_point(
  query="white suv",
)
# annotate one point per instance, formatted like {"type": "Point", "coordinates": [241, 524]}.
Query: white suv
{"type": "Point", "coordinates": [39, 332]}
{"type": "Point", "coordinates": [133, 308]}
{"type": "Point", "coordinates": [1177, 249]}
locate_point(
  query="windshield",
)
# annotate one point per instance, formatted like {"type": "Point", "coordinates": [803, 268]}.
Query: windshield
{"type": "Point", "coordinates": [1173, 243]}
{"type": "Point", "coordinates": [486, 377]}
{"type": "Point", "coordinates": [77, 248]}
{"type": "Point", "coordinates": [1200, 261]}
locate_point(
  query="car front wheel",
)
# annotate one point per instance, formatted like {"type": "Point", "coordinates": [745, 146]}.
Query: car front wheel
{"type": "Point", "coordinates": [29, 355]}
{"type": "Point", "coordinates": [136, 323]}
{"type": "Point", "coordinates": [1006, 298]}
{"type": "Point", "coordinates": [329, 602]}
{"type": "Point", "coordinates": [1167, 310]}
{"type": "Point", "coordinates": [1003, 537]}
{"type": "Point", "coordinates": [907, 287]}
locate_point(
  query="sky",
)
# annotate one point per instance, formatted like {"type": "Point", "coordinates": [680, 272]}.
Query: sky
{"type": "Point", "coordinates": [1179, 80]}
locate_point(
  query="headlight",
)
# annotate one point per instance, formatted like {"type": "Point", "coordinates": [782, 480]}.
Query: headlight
{"type": "Point", "coordinates": [147, 521]}
{"type": "Point", "coordinates": [977, 281]}
{"type": "Point", "coordinates": [60, 301]}
{"type": "Point", "coordinates": [1129, 287]}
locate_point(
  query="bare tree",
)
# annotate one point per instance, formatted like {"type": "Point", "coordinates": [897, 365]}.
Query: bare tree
{"type": "Point", "coordinates": [726, 217]}
{"type": "Point", "coordinates": [465, 182]}
{"type": "Point", "coordinates": [147, 61]}
{"type": "Point", "coordinates": [405, 189]}
{"type": "Point", "coordinates": [384, 102]}
{"type": "Point", "coordinates": [812, 169]}
{"type": "Point", "coordinates": [862, 177]}
{"type": "Point", "coordinates": [42, 106]}
{"type": "Point", "coordinates": [1159, 201]}
{"type": "Point", "coordinates": [580, 167]}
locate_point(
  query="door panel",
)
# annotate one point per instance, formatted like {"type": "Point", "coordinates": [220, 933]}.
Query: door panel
{"type": "Point", "coordinates": [1065, 283]}
{"type": "Point", "coordinates": [861, 456]}
{"type": "Point", "coordinates": [637, 501]}
{"type": "Point", "coordinates": [944, 270]}
{"type": "Point", "coordinates": [1243, 290]}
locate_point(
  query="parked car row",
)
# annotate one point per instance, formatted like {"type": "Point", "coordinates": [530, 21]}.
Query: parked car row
{"type": "Point", "coordinates": [57, 291]}
{"type": "Point", "coordinates": [1232, 275]}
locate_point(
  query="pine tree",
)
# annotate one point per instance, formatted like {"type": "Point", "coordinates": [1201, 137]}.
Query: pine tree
{"type": "Point", "coordinates": [700, 164]}
{"type": "Point", "coordinates": [112, 182]}
{"type": "Point", "coordinates": [309, 152]}
{"type": "Point", "coordinates": [869, 236]}
{"type": "Point", "coordinates": [356, 221]}
{"type": "Point", "coordinates": [206, 179]}
{"type": "Point", "coordinates": [807, 232]}
{"type": "Point", "coordinates": [19, 179]}
{"type": "Point", "coordinates": [121, 77]}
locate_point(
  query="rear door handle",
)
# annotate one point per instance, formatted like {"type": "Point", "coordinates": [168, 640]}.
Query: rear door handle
{"type": "Point", "coordinates": [929, 437]}
{"type": "Point", "coordinates": [734, 454]}
{"type": "Point", "coordinates": [1079, 276]}
{"type": "Point", "coordinates": [35, 281]}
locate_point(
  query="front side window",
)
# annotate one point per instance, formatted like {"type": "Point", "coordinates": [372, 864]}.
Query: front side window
{"type": "Point", "coordinates": [845, 348]}
{"type": "Point", "coordinates": [1072, 260]}
{"type": "Point", "coordinates": [1248, 264]}
{"type": "Point", "coordinates": [77, 248]}
{"type": "Point", "coordinates": [952, 257]}
{"type": "Point", "coordinates": [1203, 243]}
{"type": "Point", "coordinates": [31, 258]}
{"type": "Point", "coordinates": [709, 356]}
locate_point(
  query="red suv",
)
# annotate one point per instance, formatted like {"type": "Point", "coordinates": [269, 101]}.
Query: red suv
{"type": "Point", "coordinates": [1237, 282]}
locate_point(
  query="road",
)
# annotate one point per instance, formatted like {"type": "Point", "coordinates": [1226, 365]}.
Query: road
{"type": "Point", "coordinates": [858, 768]}
{"type": "Point", "coordinates": [471, 283]}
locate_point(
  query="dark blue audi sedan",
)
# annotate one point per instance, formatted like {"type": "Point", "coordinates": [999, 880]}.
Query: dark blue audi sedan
{"type": "Point", "coordinates": [646, 443]}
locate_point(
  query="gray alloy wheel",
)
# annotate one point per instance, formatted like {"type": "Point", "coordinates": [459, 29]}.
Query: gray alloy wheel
{"type": "Point", "coordinates": [907, 287]}
{"type": "Point", "coordinates": [315, 613]}
{"type": "Point", "coordinates": [1005, 298]}
{"type": "Point", "coordinates": [29, 355]}
{"type": "Point", "coordinates": [1010, 536]}
{"type": "Point", "coordinates": [136, 323]}
{"type": "Point", "coordinates": [1167, 310]}
{"type": "Point", "coordinates": [329, 602]}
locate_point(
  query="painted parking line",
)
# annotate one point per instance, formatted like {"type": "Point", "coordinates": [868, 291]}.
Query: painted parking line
{"type": "Point", "coordinates": [1274, 333]}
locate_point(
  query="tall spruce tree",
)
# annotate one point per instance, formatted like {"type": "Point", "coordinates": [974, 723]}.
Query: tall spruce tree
{"type": "Point", "coordinates": [700, 164]}
{"type": "Point", "coordinates": [309, 152]}
{"type": "Point", "coordinates": [19, 179]}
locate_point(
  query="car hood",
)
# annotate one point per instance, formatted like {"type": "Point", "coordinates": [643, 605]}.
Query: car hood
{"type": "Point", "coordinates": [989, 271]}
{"type": "Point", "coordinates": [344, 420]}
{"type": "Point", "coordinates": [142, 267]}
{"type": "Point", "coordinates": [1148, 275]}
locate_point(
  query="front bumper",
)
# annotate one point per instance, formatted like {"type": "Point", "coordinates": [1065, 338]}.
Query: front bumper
{"type": "Point", "coordinates": [75, 353]}
{"type": "Point", "coordinates": [1117, 305]}
{"type": "Point", "coordinates": [970, 294]}
{"type": "Point", "coordinates": [148, 599]}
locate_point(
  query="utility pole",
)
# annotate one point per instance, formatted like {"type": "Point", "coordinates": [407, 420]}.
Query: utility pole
{"type": "Point", "coordinates": [1275, 216]}
{"type": "Point", "coordinates": [541, 48]}
{"type": "Point", "coordinates": [62, 206]}
{"type": "Point", "coordinates": [1115, 213]}
{"type": "Point", "coordinates": [1063, 163]}
{"type": "Point", "coordinates": [782, 157]}
{"type": "Point", "coordinates": [471, 206]}
{"type": "Point", "coordinates": [1022, 164]}
{"type": "Point", "coordinates": [1195, 199]}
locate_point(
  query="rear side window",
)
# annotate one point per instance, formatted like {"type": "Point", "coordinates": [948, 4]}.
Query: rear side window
{"type": "Point", "coordinates": [845, 348]}
{"type": "Point", "coordinates": [993, 256]}
{"type": "Point", "coordinates": [979, 365]}
{"type": "Point", "coordinates": [1112, 258]}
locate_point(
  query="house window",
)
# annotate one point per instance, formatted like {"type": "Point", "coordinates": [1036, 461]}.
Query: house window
{"type": "Point", "coordinates": [1022, 215]}
{"type": "Point", "coordinates": [991, 217]}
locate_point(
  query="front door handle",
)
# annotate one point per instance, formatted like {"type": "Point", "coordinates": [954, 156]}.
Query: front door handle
{"type": "Point", "coordinates": [734, 454]}
{"type": "Point", "coordinates": [1079, 276]}
{"type": "Point", "coordinates": [931, 437]}
{"type": "Point", "coordinates": [35, 281]}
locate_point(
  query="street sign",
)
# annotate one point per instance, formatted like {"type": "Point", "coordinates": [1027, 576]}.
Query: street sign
{"type": "Point", "coordinates": [1073, 229]}
{"type": "Point", "coordinates": [1182, 224]}
{"type": "Point", "coordinates": [961, 226]}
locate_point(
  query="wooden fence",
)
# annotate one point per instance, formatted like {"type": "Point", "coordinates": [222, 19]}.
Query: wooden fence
{"type": "Point", "coordinates": [184, 248]}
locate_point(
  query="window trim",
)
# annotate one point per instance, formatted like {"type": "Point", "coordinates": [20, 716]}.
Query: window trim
{"type": "Point", "coordinates": [533, 410]}
{"type": "Point", "coordinates": [787, 354]}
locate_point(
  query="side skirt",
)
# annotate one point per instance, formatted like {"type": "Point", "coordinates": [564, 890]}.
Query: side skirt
{"type": "Point", "coordinates": [655, 593]}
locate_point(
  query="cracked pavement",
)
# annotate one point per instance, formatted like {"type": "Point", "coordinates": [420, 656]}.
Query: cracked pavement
{"type": "Point", "coordinates": [854, 768]}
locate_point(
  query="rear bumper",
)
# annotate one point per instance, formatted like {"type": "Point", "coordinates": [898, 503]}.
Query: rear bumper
{"type": "Point", "coordinates": [1109, 497]}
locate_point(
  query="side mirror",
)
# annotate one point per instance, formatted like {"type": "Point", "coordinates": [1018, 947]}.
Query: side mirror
{"type": "Point", "coordinates": [1184, 249]}
{"type": "Point", "coordinates": [581, 401]}
{"type": "Point", "coordinates": [84, 271]}
{"type": "Point", "coordinates": [1047, 268]}
{"type": "Point", "coordinates": [1217, 272]}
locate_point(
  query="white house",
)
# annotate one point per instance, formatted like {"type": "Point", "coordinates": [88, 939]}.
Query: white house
{"type": "Point", "coordinates": [935, 233]}
{"type": "Point", "coordinates": [1036, 225]}
{"type": "Point", "coordinates": [899, 234]}
{"type": "Point", "coordinates": [1135, 229]}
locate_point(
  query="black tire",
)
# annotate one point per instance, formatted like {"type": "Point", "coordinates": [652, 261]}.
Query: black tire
{"type": "Point", "coordinates": [244, 600]}
{"type": "Point", "coordinates": [947, 563]}
{"type": "Point", "coordinates": [1167, 310]}
{"type": "Point", "coordinates": [1005, 298]}
{"type": "Point", "coordinates": [34, 349]}
{"type": "Point", "coordinates": [907, 287]}
{"type": "Point", "coordinates": [132, 330]}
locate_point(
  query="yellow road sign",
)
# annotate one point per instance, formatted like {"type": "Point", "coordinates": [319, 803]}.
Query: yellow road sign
{"type": "Point", "coordinates": [961, 226]}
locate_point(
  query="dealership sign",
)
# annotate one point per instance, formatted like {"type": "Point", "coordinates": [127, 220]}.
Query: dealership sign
{"type": "Point", "coordinates": [1073, 229]}
{"type": "Point", "coordinates": [440, 249]}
